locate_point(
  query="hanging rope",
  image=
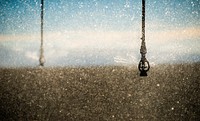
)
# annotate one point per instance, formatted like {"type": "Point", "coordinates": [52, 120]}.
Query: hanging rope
{"type": "Point", "coordinates": [41, 59]}
{"type": "Point", "coordinates": [143, 64]}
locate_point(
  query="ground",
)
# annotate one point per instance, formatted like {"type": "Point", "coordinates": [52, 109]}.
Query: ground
{"type": "Point", "coordinates": [111, 93]}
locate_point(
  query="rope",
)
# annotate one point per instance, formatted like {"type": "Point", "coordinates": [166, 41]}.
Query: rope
{"type": "Point", "coordinates": [143, 64]}
{"type": "Point", "coordinates": [41, 59]}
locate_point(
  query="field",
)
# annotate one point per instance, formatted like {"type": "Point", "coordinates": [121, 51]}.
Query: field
{"type": "Point", "coordinates": [170, 92]}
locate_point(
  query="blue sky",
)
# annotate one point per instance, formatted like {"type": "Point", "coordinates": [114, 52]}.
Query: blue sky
{"type": "Point", "coordinates": [98, 32]}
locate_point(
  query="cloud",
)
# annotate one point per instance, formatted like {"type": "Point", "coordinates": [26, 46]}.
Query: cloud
{"type": "Point", "coordinates": [173, 35]}
{"type": "Point", "coordinates": [80, 39]}
{"type": "Point", "coordinates": [90, 37]}
{"type": "Point", "coordinates": [20, 37]}
{"type": "Point", "coordinates": [107, 46]}
{"type": "Point", "coordinates": [31, 55]}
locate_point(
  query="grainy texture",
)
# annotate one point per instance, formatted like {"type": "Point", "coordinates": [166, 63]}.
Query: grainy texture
{"type": "Point", "coordinates": [170, 92]}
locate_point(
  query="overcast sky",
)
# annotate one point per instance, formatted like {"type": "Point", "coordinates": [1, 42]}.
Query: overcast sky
{"type": "Point", "coordinates": [98, 32]}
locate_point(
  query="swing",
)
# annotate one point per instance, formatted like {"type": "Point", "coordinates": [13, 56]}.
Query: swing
{"type": "Point", "coordinates": [143, 65]}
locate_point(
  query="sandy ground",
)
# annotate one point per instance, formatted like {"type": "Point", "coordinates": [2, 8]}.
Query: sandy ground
{"type": "Point", "coordinates": [170, 92]}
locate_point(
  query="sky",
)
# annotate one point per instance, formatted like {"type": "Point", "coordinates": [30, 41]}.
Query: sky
{"type": "Point", "coordinates": [98, 32]}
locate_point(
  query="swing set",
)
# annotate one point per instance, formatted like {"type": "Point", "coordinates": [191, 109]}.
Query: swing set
{"type": "Point", "coordinates": [143, 65]}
